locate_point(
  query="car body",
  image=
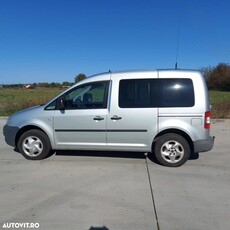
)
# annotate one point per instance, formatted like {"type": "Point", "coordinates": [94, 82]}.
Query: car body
{"type": "Point", "coordinates": [166, 112]}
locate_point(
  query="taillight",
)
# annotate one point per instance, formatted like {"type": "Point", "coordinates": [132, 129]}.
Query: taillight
{"type": "Point", "coordinates": [207, 120]}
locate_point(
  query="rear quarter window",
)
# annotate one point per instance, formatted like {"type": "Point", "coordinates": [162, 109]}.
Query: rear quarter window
{"type": "Point", "coordinates": [176, 93]}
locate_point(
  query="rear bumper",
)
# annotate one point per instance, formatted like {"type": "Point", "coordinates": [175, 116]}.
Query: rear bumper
{"type": "Point", "coordinates": [203, 145]}
{"type": "Point", "coordinates": [10, 133]}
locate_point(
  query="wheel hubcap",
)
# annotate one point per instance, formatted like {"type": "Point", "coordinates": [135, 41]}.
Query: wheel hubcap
{"type": "Point", "coordinates": [172, 151]}
{"type": "Point", "coordinates": [32, 146]}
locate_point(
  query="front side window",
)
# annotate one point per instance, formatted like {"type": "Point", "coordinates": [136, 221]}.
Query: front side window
{"type": "Point", "coordinates": [88, 96]}
{"type": "Point", "coordinates": [145, 93]}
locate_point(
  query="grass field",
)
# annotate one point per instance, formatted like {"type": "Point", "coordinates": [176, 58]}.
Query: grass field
{"type": "Point", "coordinates": [12, 100]}
{"type": "Point", "coordinates": [220, 102]}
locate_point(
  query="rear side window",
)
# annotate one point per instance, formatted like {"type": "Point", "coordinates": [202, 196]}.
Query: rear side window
{"type": "Point", "coordinates": [144, 93]}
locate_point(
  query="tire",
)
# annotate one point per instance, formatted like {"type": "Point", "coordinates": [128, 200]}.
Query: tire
{"type": "Point", "coordinates": [172, 150]}
{"type": "Point", "coordinates": [34, 145]}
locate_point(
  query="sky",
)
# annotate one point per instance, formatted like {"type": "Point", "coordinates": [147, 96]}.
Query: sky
{"type": "Point", "coordinates": [55, 40]}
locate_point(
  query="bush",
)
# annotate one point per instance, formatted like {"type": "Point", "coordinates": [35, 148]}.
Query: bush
{"type": "Point", "coordinates": [218, 78]}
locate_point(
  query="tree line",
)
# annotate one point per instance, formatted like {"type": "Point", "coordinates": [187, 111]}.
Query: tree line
{"type": "Point", "coordinates": [39, 85]}
{"type": "Point", "coordinates": [217, 78]}
{"type": "Point", "coordinates": [64, 84]}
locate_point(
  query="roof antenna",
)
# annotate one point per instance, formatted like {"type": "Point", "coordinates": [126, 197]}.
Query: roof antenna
{"type": "Point", "coordinates": [178, 41]}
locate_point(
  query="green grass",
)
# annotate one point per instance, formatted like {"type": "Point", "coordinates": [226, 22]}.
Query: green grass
{"type": "Point", "coordinates": [12, 100]}
{"type": "Point", "coordinates": [219, 96]}
{"type": "Point", "coordinates": [220, 102]}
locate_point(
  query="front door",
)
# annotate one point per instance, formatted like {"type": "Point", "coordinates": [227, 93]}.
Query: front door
{"type": "Point", "coordinates": [82, 123]}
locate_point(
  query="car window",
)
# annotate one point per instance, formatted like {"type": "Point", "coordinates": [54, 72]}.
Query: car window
{"type": "Point", "coordinates": [144, 93]}
{"type": "Point", "coordinates": [176, 93]}
{"type": "Point", "coordinates": [88, 96]}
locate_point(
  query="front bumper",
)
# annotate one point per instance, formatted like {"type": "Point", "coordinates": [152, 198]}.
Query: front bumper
{"type": "Point", "coordinates": [10, 133]}
{"type": "Point", "coordinates": [203, 145]}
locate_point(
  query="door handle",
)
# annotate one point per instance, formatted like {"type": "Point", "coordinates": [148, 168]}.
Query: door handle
{"type": "Point", "coordinates": [115, 117]}
{"type": "Point", "coordinates": [98, 118]}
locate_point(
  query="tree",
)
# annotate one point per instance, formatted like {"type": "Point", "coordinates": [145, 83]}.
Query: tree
{"type": "Point", "coordinates": [218, 78]}
{"type": "Point", "coordinates": [80, 77]}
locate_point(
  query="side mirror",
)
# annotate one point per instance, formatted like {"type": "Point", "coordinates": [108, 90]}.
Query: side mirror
{"type": "Point", "coordinates": [61, 103]}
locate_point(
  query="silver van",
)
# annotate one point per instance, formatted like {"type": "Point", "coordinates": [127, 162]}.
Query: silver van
{"type": "Point", "coordinates": [165, 112]}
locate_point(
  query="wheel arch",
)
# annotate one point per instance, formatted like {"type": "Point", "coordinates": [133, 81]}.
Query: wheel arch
{"type": "Point", "coordinates": [25, 129]}
{"type": "Point", "coordinates": [176, 131]}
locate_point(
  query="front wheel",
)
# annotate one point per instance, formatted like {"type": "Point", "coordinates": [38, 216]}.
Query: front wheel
{"type": "Point", "coordinates": [34, 145]}
{"type": "Point", "coordinates": [172, 150]}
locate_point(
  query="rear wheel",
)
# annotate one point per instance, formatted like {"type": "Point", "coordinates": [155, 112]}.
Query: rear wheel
{"type": "Point", "coordinates": [172, 150]}
{"type": "Point", "coordinates": [34, 145]}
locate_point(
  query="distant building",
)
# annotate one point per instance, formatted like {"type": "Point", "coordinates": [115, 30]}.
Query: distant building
{"type": "Point", "coordinates": [28, 86]}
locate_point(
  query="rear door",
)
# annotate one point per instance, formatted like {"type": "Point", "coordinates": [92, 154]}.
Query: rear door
{"type": "Point", "coordinates": [132, 121]}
